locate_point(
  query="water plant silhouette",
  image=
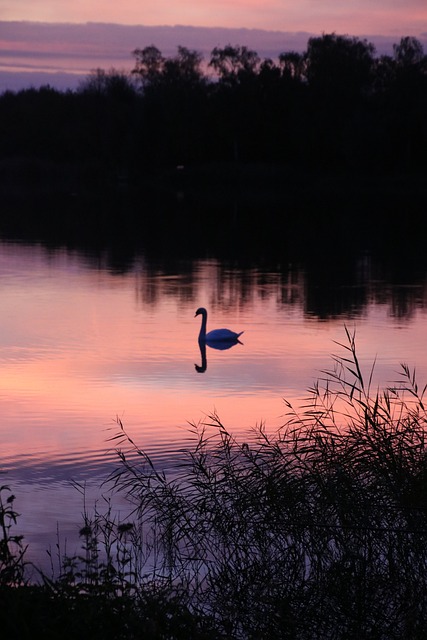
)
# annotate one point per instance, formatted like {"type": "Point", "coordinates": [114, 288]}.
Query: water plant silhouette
{"type": "Point", "coordinates": [316, 530]}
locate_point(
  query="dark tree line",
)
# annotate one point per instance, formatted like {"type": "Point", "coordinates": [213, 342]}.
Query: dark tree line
{"type": "Point", "coordinates": [313, 153]}
{"type": "Point", "coordinates": [337, 105]}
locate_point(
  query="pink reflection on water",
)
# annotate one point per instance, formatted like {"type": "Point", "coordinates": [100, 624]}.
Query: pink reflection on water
{"type": "Point", "coordinates": [81, 345]}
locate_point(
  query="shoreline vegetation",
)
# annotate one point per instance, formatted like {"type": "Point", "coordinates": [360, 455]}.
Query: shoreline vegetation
{"type": "Point", "coordinates": [318, 530]}
{"type": "Point", "coordinates": [336, 114]}
{"type": "Point", "coordinates": [318, 148]}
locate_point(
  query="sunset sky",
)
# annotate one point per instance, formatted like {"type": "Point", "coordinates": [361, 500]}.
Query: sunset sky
{"type": "Point", "coordinates": [74, 36]}
{"type": "Point", "coordinates": [357, 16]}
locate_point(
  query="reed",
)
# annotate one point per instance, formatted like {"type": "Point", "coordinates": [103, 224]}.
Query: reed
{"type": "Point", "coordinates": [318, 530]}
{"type": "Point", "coordinates": [12, 548]}
{"type": "Point", "coordinates": [315, 530]}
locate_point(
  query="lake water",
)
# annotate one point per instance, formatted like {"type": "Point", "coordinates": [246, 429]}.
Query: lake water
{"type": "Point", "coordinates": [85, 340]}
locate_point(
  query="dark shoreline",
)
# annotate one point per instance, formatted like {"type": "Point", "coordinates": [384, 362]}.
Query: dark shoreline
{"type": "Point", "coordinates": [220, 207]}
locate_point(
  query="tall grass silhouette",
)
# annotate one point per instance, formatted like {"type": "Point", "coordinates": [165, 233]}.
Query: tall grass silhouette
{"type": "Point", "coordinates": [318, 530]}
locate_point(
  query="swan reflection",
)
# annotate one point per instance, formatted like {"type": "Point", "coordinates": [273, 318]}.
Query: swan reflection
{"type": "Point", "coordinates": [226, 344]}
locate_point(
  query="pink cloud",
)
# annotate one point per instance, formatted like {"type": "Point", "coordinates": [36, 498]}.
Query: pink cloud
{"type": "Point", "coordinates": [353, 16]}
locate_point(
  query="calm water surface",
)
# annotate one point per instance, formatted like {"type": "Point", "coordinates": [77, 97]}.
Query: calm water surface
{"type": "Point", "coordinates": [83, 343]}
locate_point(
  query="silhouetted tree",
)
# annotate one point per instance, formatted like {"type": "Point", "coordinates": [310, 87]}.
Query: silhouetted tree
{"type": "Point", "coordinates": [185, 67]}
{"type": "Point", "coordinates": [335, 105]}
{"type": "Point", "coordinates": [112, 83]}
{"type": "Point", "coordinates": [338, 70]}
{"type": "Point", "coordinates": [339, 67]}
{"type": "Point", "coordinates": [293, 65]}
{"type": "Point", "coordinates": [234, 64]}
{"type": "Point", "coordinates": [149, 64]}
{"type": "Point", "coordinates": [153, 69]}
{"type": "Point", "coordinates": [173, 113]}
{"type": "Point", "coordinates": [408, 101]}
{"type": "Point", "coordinates": [384, 74]}
{"type": "Point", "coordinates": [409, 52]}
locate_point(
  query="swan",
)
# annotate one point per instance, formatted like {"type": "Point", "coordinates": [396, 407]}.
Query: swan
{"type": "Point", "coordinates": [217, 335]}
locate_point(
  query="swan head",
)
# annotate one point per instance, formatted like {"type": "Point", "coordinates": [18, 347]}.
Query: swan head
{"type": "Point", "coordinates": [201, 311]}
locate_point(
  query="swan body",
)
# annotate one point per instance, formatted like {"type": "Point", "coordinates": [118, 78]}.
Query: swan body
{"type": "Point", "coordinates": [217, 335]}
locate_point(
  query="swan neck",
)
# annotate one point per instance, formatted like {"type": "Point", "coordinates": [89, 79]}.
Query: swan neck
{"type": "Point", "coordinates": [202, 333]}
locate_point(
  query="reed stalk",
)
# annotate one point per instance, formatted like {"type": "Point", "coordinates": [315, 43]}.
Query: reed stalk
{"type": "Point", "coordinates": [318, 530]}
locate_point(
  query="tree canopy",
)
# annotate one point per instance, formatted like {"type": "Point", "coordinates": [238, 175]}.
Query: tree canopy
{"type": "Point", "coordinates": [336, 105]}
